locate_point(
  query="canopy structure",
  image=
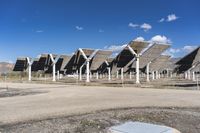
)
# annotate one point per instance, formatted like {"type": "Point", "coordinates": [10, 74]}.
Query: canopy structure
{"type": "Point", "coordinates": [34, 65]}
{"type": "Point", "coordinates": [126, 55]}
{"type": "Point", "coordinates": [103, 67]}
{"type": "Point", "coordinates": [77, 60]}
{"type": "Point", "coordinates": [62, 62]}
{"type": "Point", "coordinates": [21, 64]}
{"type": "Point", "coordinates": [151, 54]}
{"type": "Point", "coordinates": [159, 63]}
{"type": "Point", "coordinates": [188, 61]}
{"type": "Point", "coordinates": [98, 59]}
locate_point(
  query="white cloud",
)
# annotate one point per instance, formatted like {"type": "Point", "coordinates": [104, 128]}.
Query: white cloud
{"type": "Point", "coordinates": [79, 28]}
{"type": "Point", "coordinates": [115, 48]}
{"type": "Point", "coordinates": [146, 27]}
{"type": "Point", "coordinates": [188, 48]}
{"type": "Point", "coordinates": [171, 17]}
{"type": "Point", "coordinates": [133, 25]}
{"type": "Point", "coordinates": [160, 39]}
{"type": "Point", "coordinates": [39, 31]}
{"type": "Point", "coordinates": [139, 39]}
{"type": "Point", "coordinates": [161, 20]}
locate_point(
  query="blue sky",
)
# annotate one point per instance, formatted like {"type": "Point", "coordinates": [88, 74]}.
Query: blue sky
{"type": "Point", "coordinates": [31, 27]}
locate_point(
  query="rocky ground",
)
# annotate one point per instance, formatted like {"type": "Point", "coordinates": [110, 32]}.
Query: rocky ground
{"type": "Point", "coordinates": [186, 120]}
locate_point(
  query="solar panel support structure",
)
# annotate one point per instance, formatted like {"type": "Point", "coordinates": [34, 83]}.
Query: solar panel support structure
{"type": "Point", "coordinates": [153, 75]}
{"type": "Point", "coordinates": [148, 72]}
{"type": "Point", "coordinates": [156, 74]}
{"type": "Point", "coordinates": [193, 76]}
{"type": "Point", "coordinates": [80, 72]}
{"type": "Point", "coordinates": [189, 76]}
{"type": "Point", "coordinates": [185, 75]}
{"type": "Point", "coordinates": [97, 75]}
{"type": "Point", "coordinates": [137, 64]}
{"type": "Point", "coordinates": [30, 62]}
{"type": "Point", "coordinates": [117, 74]}
{"type": "Point", "coordinates": [54, 66]}
{"type": "Point", "coordinates": [122, 74]}
{"type": "Point", "coordinates": [58, 75]}
{"type": "Point", "coordinates": [130, 75]}
{"type": "Point", "coordinates": [88, 63]}
{"type": "Point", "coordinates": [109, 73]}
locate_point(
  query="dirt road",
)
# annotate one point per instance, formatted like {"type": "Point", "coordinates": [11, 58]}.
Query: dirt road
{"type": "Point", "coordinates": [57, 100]}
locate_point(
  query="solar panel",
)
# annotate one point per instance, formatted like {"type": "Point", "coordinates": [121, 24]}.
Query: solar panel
{"type": "Point", "coordinates": [104, 65]}
{"type": "Point", "coordinates": [98, 59]}
{"type": "Point", "coordinates": [187, 62]}
{"type": "Point", "coordinates": [77, 60]}
{"type": "Point", "coordinates": [64, 59]}
{"type": "Point", "coordinates": [21, 64]}
{"type": "Point", "coordinates": [159, 63]}
{"type": "Point", "coordinates": [34, 65]}
{"type": "Point", "coordinates": [150, 54]}
{"type": "Point", "coordinates": [125, 56]}
{"type": "Point", "coordinates": [49, 64]}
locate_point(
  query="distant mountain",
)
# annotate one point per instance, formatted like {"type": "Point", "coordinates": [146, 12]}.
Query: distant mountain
{"type": "Point", "coordinates": [5, 67]}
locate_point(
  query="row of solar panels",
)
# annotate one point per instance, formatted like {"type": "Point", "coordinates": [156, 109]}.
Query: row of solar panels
{"type": "Point", "coordinates": [149, 53]}
{"type": "Point", "coordinates": [190, 61]}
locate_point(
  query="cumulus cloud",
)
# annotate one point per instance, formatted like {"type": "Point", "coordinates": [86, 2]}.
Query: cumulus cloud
{"type": "Point", "coordinates": [188, 48]}
{"type": "Point", "coordinates": [139, 39]}
{"type": "Point", "coordinates": [174, 52]}
{"type": "Point", "coordinates": [115, 48]}
{"type": "Point", "coordinates": [79, 28]}
{"type": "Point", "coordinates": [160, 39]}
{"type": "Point", "coordinates": [146, 27]}
{"type": "Point", "coordinates": [133, 25]}
{"type": "Point", "coordinates": [171, 17]}
{"type": "Point", "coordinates": [143, 26]}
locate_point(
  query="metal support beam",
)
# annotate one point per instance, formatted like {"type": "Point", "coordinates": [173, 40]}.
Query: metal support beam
{"type": "Point", "coordinates": [193, 76]}
{"type": "Point", "coordinates": [109, 74]}
{"type": "Point", "coordinates": [148, 72]}
{"type": "Point", "coordinates": [130, 75]}
{"type": "Point", "coordinates": [97, 75]}
{"type": "Point", "coordinates": [58, 75]}
{"type": "Point", "coordinates": [30, 62]}
{"type": "Point", "coordinates": [137, 70]}
{"type": "Point", "coordinates": [122, 73]}
{"type": "Point", "coordinates": [54, 65]}
{"type": "Point", "coordinates": [117, 74]}
{"type": "Point", "coordinates": [153, 75]}
{"type": "Point", "coordinates": [87, 71]}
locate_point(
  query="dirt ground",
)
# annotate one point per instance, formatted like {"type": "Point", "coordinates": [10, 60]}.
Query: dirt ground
{"type": "Point", "coordinates": [34, 107]}
{"type": "Point", "coordinates": [186, 120]}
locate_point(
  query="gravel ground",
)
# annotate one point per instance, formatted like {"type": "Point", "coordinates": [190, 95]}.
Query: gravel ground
{"type": "Point", "coordinates": [186, 120]}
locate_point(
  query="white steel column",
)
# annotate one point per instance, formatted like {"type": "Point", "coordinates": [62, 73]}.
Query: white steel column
{"type": "Point", "coordinates": [80, 73]}
{"type": "Point", "coordinates": [54, 66]}
{"type": "Point", "coordinates": [109, 74]}
{"type": "Point", "coordinates": [97, 75]}
{"type": "Point", "coordinates": [122, 73]}
{"type": "Point", "coordinates": [130, 75]}
{"type": "Point", "coordinates": [186, 76]}
{"type": "Point", "coordinates": [156, 74]}
{"type": "Point", "coordinates": [29, 67]}
{"type": "Point", "coordinates": [87, 71]}
{"type": "Point", "coordinates": [29, 72]}
{"type": "Point", "coordinates": [54, 71]}
{"type": "Point", "coordinates": [148, 72]}
{"type": "Point", "coordinates": [189, 76]}
{"type": "Point", "coordinates": [117, 74]}
{"type": "Point", "coordinates": [153, 75]}
{"type": "Point", "coordinates": [58, 75]}
{"type": "Point", "coordinates": [137, 70]}
{"type": "Point", "coordinates": [193, 76]}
